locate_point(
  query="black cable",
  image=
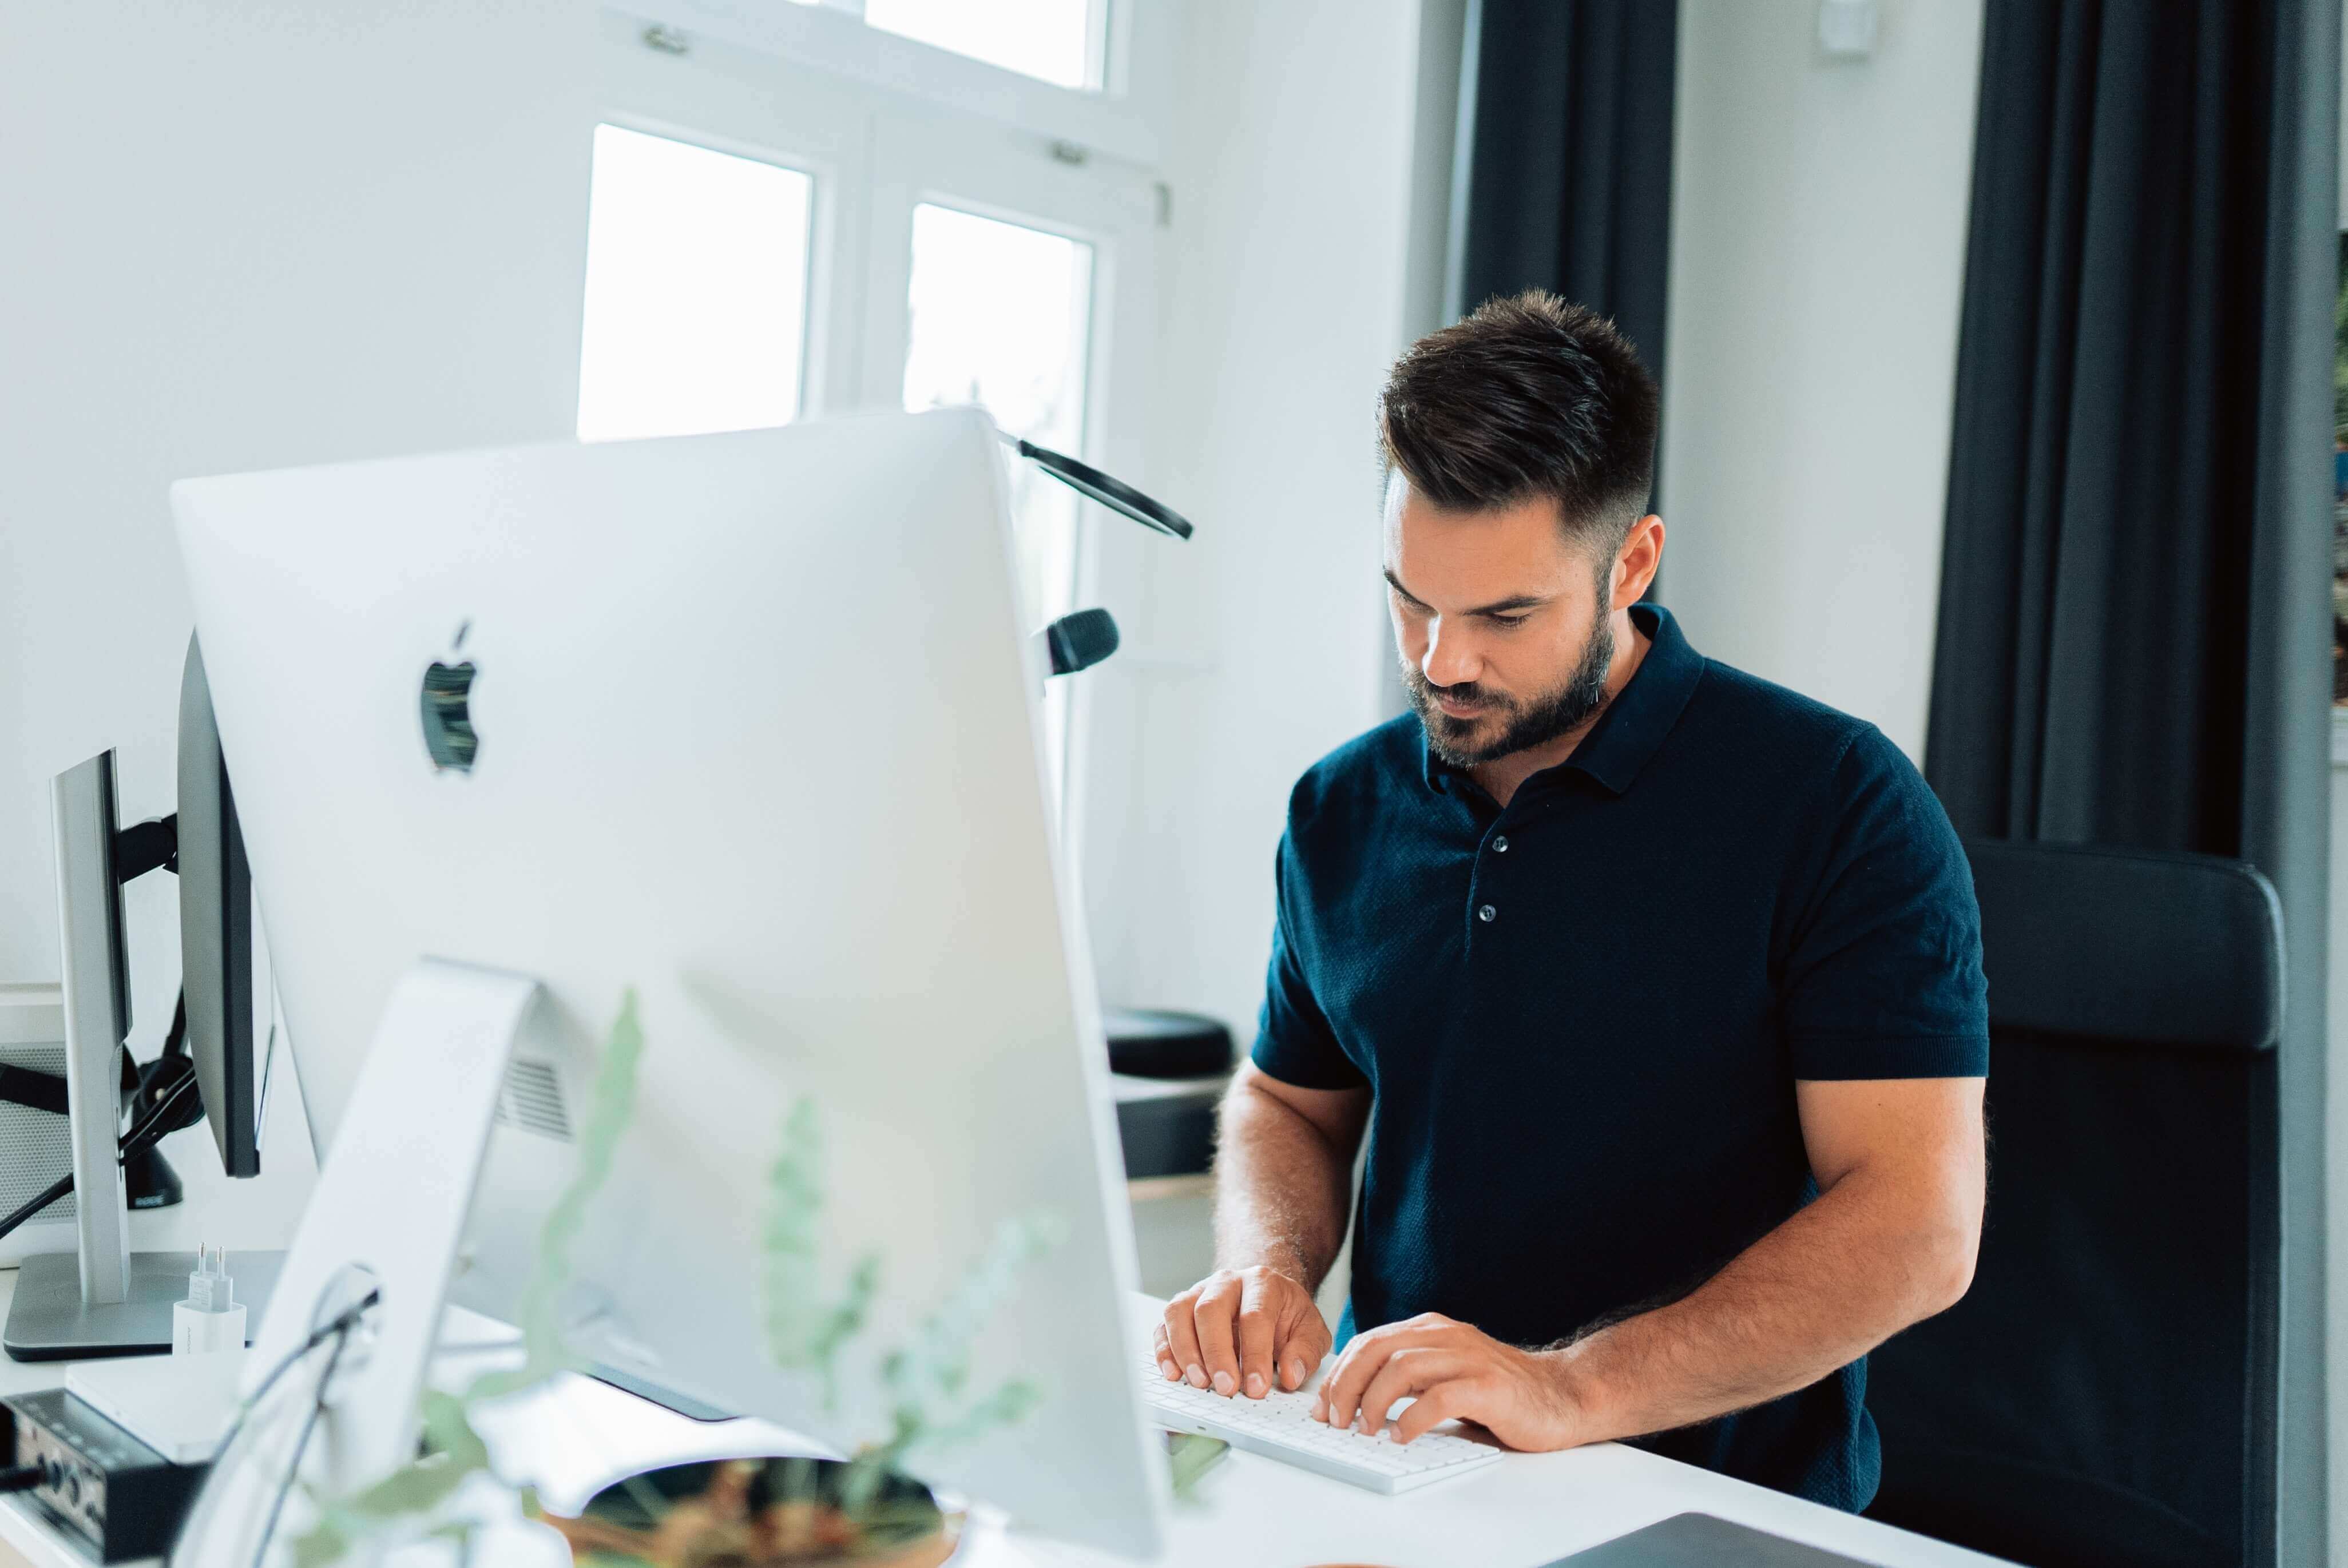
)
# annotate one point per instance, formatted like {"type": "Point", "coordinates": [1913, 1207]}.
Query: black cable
{"type": "Point", "coordinates": [148, 1133]}
{"type": "Point", "coordinates": [32, 1089]}
{"type": "Point", "coordinates": [22, 1478]}
{"type": "Point", "coordinates": [38, 1201]}
{"type": "Point", "coordinates": [341, 1325]}
{"type": "Point", "coordinates": [302, 1443]}
{"type": "Point", "coordinates": [152, 1131]}
{"type": "Point", "coordinates": [173, 1066]}
{"type": "Point", "coordinates": [143, 1134]}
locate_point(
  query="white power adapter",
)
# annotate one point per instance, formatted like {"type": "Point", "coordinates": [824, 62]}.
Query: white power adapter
{"type": "Point", "coordinates": [211, 1318]}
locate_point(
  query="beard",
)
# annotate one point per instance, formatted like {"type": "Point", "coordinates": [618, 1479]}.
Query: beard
{"type": "Point", "coordinates": [1506, 724]}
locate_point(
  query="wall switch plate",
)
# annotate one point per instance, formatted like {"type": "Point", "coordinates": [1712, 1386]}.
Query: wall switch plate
{"type": "Point", "coordinates": [1847, 28]}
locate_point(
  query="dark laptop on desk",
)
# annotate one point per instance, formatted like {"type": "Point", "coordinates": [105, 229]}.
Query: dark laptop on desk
{"type": "Point", "coordinates": [1700, 1541]}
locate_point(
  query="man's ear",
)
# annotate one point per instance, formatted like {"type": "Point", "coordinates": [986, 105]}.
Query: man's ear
{"type": "Point", "coordinates": [1634, 567]}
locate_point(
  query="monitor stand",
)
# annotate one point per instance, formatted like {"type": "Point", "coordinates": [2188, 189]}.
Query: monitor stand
{"type": "Point", "coordinates": [388, 1214]}
{"type": "Point", "coordinates": [48, 1320]}
{"type": "Point", "coordinates": [101, 1299]}
{"type": "Point", "coordinates": [391, 1204]}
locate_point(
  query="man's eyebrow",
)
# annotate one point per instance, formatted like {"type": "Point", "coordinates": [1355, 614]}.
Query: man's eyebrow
{"type": "Point", "coordinates": [1394, 583]}
{"type": "Point", "coordinates": [1515, 602]}
{"type": "Point", "coordinates": [1509, 605]}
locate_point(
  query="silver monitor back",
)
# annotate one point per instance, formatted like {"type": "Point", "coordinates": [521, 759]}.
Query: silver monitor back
{"type": "Point", "coordinates": [751, 728]}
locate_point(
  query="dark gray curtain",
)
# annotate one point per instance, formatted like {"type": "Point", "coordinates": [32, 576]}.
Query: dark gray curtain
{"type": "Point", "coordinates": [1566, 183]}
{"type": "Point", "coordinates": [1568, 107]}
{"type": "Point", "coordinates": [2134, 634]}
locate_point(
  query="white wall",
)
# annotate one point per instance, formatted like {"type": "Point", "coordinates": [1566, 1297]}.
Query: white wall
{"type": "Point", "coordinates": [1818, 222]}
{"type": "Point", "coordinates": [1818, 251]}
{"type": "Point", "coordinates": [245, 233]}
{"type": "Point", "coordinates": [1257, 647]}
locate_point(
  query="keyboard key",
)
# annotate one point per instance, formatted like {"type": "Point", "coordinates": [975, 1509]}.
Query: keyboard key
{"type": "Point", "coordinates": [1281, 1426]}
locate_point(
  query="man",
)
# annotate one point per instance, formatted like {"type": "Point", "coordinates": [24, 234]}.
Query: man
{"type": "Point", "coordinates": [1657, 988]}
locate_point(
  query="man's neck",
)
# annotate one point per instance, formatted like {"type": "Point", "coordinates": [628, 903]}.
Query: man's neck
{"type": "Point", "coordinates": [1500, 777]}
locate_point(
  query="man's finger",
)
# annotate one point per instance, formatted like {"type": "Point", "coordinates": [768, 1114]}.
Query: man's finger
{"type": "Point", "coordinates": [1182, 1338]}
{"type": "Point", "coordinates": [1363, 1358]}
{"type": "Point", "coordinates": [1217, 1317]}
{"type": "Point", "coordinates": [1408, 1373]}
{"type": "Point", "coordinates": [1256, 1326]}
{"type": "Point", "coordinates": [1302, 1338]}
{"type": "Point", "coordinates": [1161, 1348]}
{"type": "Point", "coordinates": [1301, 1344]}
{"type": "Point", "coordinates": [1365, 1353]}
{"type": "Point", "coordinates": [1444, 1402]}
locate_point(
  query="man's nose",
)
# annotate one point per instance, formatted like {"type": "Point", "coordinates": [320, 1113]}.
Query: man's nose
{"type": "Point", "coordinates": [1450, 660]}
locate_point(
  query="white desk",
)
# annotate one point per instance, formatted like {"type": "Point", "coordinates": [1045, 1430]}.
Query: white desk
{"type": "Point", "coordinates": [258, 1213]}
{"type": "Point", "coordinates": [1248, 1512]}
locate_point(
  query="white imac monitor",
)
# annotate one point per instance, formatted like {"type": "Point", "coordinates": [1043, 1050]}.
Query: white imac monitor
{"type": "Point", "coordinates": [747, 723]}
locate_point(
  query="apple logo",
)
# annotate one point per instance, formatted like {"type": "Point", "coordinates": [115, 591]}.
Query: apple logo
{"type": "Point", "coordinates": [448, 720]}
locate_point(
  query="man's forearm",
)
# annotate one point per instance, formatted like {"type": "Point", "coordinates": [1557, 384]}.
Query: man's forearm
{"type": "Point", "coordinates": [1281, 1190]}
{"type": "Point", "coordinates": [1837, 1278]}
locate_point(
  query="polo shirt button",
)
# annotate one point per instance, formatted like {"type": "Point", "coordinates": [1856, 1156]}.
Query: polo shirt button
{"type": "Point", "coordinates": [1500, 845]}
{"type": "Point", "coordinates": [1486, 913]}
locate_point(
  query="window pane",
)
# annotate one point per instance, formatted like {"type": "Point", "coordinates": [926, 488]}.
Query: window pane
{"type": "Point", "coordinates": [696, 290]}
{"type": "Point", "coordinates": [1053, 39]}
{"type": "Point", "coordinates": [998, 318]}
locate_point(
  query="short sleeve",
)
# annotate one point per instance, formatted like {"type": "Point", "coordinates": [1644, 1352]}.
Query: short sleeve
{"type": "Point", "coordinates": [1293, 1040]}
{"type": "Point", "coordinates": [1883, 975]}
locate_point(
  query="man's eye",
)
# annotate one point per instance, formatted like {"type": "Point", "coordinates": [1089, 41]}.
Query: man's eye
{"type": "Point", "coordinates": [1508, 623]}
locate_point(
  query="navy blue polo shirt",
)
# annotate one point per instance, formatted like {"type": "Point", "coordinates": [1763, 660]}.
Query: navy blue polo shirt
{"type": "Point", "coordinates": [1582, 1017]}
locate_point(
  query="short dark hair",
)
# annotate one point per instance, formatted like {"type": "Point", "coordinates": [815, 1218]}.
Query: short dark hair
{"type": "Point", "coordinates": [1528, 395]}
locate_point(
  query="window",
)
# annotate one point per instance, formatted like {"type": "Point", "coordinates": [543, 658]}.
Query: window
{"type": "Point", "coordinates": [695, 313]}
{"type": "Point", "coordinates": [796, 212]}
{"type": "Point", "coordinates": [997, 316]}
{"type": "Point", "coordinates": [1056, 41]}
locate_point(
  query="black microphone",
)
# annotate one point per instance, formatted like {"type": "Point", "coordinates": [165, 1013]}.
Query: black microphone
{"type": "Point", "coordinates": [1079, 640]}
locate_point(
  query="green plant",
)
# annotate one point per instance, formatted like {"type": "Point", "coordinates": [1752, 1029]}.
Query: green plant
{"type": "Point", "coordinates": [927, 1381]}
{"type": "Point", "coordinates": [803, 1333]}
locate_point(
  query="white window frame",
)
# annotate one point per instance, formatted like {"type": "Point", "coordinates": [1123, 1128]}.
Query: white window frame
{"type": "Point", "coordinates": [884, 123]}
{"type": "Point", "coordinates": [1123, 118]}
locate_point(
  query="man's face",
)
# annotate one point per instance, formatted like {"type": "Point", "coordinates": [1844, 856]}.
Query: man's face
{"type": "Point", "coordinates": [1504, 626]}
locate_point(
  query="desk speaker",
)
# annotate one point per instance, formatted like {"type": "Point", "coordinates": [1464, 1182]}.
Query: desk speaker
{"type": "Point", "coordinates": [34, 1147]}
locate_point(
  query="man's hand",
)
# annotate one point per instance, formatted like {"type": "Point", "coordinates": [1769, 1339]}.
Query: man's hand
{"type": "Point", "coordinates": [1232, 1330]}
{"type": "Point", "coordinates": [1453, 1371]}
{"type": "Point", "coordinates": [1888, 1241]}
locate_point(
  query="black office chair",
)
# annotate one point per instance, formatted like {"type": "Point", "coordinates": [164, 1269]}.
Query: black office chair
{"type": "Point", "coordinates": [2106, 1392]}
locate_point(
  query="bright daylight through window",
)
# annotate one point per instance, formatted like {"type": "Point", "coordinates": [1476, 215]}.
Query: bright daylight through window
{"type": "Point", "coordinates": [698, 267]}
{"type": "Point", "coordinates": [999, 318]}
{"type": "Point", "coordinates": [1058, 41]}
{"type": "Point", "coordinates": [696, 290]}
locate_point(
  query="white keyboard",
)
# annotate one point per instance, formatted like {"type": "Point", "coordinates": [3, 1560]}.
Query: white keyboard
{"type": "Point", "coordinates": [1280, 1426]}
